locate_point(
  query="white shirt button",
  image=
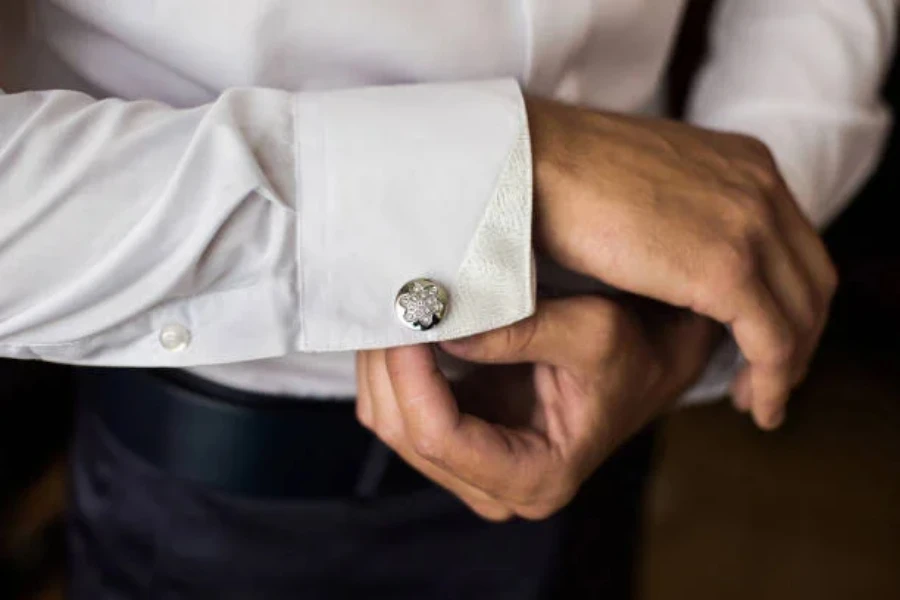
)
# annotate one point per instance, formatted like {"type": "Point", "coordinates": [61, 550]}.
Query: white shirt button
{"type": "Point", "coordinates": [174, 337]}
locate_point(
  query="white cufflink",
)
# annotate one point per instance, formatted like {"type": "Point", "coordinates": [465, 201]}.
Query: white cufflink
{"type": "Point", "coordinates": [174, 337]}
{"type": "Point", "coordinates": [421, 304]}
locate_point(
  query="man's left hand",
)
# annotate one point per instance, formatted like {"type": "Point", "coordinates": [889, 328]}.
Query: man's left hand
{"type": "Point", "coordinates": [600, 374]}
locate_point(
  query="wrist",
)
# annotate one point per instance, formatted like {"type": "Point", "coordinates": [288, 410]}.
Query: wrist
{"type": "Point", "coordinates": [553, 173]}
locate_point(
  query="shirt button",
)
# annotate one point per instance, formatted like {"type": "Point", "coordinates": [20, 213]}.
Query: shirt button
{"type": "Point", "coordinates": [421, 304]}
{"type": "Point", "coordinates": [174, 337]}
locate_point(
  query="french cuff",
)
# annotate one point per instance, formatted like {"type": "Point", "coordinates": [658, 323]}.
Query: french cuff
{"type": "Point", "coordinates": [401, 183]}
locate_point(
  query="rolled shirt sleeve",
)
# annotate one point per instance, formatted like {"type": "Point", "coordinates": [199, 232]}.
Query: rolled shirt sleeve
{"type": "Point", "coordinates": [262, 224]}
{"type": "Point", "coordinates": [803, 76]}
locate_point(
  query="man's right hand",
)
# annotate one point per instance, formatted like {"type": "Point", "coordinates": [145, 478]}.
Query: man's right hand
{"type": "Point", "coordinates": [692, 218]}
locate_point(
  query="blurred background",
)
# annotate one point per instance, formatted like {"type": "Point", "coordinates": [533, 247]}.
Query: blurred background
{"type": "Point", "coordinates": [811, 511]}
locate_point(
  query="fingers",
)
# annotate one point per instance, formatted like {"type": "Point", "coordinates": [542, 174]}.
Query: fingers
{"type": "Point", "coordinates": [387, 422]}
{"type": "Point", "coordinates": [810, 247]}
{"type": "Point", "coordinates": [766, 337]}
{"type": "Point", "coordinates": [792, 291]}
{"type": "Point", "coordinates": [496, 471]}
{"type": "Point", "coordinates": [525, 469]}
{"type": "Point", "coordinates": [491, 457]}
{"type": "Point", "coordinates": [576, 333]}
{"type": "Point", "coordinates": [803, 282]}
{"type": "Point", "coordinates": [812, 255]}
{"type": "Point", "coordinates": [774, 306]}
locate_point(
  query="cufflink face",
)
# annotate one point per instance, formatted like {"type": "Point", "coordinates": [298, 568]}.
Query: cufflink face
{"type": "Point", "coordinates": [421, 304]}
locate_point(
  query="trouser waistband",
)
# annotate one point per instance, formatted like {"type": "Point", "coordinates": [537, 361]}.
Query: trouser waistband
{"type": "Point", "coordinates": [243, 443]}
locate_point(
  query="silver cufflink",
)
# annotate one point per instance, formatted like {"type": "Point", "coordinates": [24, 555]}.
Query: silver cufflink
{"type": "Point", "coordinates": [421, 304]}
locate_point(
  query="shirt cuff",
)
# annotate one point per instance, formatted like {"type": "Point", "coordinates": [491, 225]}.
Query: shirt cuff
{"type": "Point", "coordinates": [405, 182]}
{"type": "Point", "coordinates": [263, 224]}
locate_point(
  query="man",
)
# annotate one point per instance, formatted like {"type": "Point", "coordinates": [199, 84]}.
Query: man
{"type": "Point", "coordinates": [269, 187]}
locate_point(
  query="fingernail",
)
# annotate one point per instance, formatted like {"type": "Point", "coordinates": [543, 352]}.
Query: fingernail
{"type": "Point", "coordinates": [773, 422]}
{"type": "Point", "coordinates": [777, 419]}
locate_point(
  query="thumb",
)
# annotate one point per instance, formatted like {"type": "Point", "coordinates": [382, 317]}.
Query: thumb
{"type": "Point", "coordinates": [422, 392]}
{"type": "Point", "coordinates": [562, 332]}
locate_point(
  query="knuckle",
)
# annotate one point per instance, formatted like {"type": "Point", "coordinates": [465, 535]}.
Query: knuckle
{"type": "Point", "coordinates": [363, 416]}
{"type": "Point", "coordinates": [546, 508]}
{"type": "Point", "coordinates": [539, 511]}
{"type": "Point", "coordinates": [427, 445]}
{"type": "Point", "coordinates": [391, 434]}
{"type": "Point", "coordinates": [732, 266]}
{"type": "Point", "coordinates": [494, 514]}
{"type": "Point", "coordinates": [531, 491]}
{"type": "Point", "coordinates": [765, 173]}
{"type": "Point", "coordinates": [549, 499]}
{"type": "Point", "coordinates": [761, 219]}
{"type": "Point", "coordinates": [754, 217]}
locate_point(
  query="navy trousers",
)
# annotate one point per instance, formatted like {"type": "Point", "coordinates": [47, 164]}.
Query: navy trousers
{"type": "Point", "coordinates": [138, 532]}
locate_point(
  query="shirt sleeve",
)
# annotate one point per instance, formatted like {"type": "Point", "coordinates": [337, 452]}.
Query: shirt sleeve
{"type": "Point", "coordinates": [803, 76]}
{"type": "Point", "coordinates": [264, 223]}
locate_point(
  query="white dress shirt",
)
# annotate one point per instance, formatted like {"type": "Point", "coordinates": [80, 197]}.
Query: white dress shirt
{"type": "Point", "coordinates": [242, 187]}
